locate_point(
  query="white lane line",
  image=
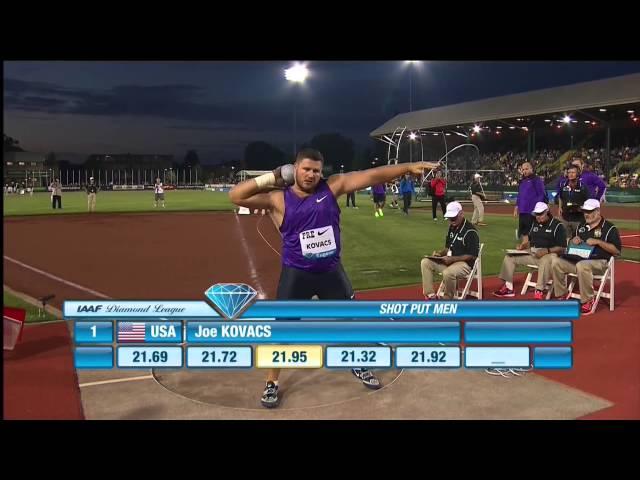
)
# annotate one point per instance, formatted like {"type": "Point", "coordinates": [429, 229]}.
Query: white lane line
{"type": "Point", "coordinates": [58, 279]}
{"type": "Point", "coordinates": [629, 236]}
{"type": "Point", "coordinates": [249, 256]}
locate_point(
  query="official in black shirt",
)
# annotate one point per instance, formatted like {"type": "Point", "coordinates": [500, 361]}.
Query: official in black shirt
{"type": "Point", "coordinates": [603, 237]}
{"type": "Point", "coordinates": [462, 247]}
{"type": "Point", "coordinates": [572, 196]}
{"type": "Point", "coordinates": [546, 239]}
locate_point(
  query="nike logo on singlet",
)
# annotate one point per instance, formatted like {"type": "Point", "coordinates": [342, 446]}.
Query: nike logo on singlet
{"type": "Point", "coordinates": [318, 200]}
{"type": "Point", "coordinates": [323, 232]}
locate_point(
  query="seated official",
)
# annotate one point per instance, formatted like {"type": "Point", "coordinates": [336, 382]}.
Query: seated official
{"type": "Point", "coordinates": [596, 241]}
{"type": "Point", "coordinates": [456, 259]}
{"type": "Point", "coordinates": [546, 239]}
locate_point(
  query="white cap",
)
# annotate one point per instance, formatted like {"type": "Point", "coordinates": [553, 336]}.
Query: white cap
{"type": "Point", "coordinates": [477, 175]}
{"type": "Point", "coordinates": [453, 209]}
{"type": "Point", "coordinates": [590, 204]}
{"type": "Point", "coordinates": [539, 208]}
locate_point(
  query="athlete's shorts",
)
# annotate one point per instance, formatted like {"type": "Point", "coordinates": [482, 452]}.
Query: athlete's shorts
{"type": "Point", "coordinates": [159, 196]}
{"type": "Point", "coordinates": [296, 284]}
{"type": "Point", "coordinates": [379, 197]}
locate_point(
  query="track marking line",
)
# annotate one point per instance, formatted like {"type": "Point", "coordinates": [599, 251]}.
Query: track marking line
{"type": "Point", "coordinates": [249, 256]}
{"type": "Point", "coordinates": [116, 380]}
{"type": "Point", "coordinates": [56, 278]}
{"type": "Point", "coordinates": [629, 236]}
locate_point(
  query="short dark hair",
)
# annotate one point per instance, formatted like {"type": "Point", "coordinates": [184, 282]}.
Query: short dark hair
{"type": "Point", "coordinates": [573, 166]}
{"type": "Point", "coordinates": [311, 154]}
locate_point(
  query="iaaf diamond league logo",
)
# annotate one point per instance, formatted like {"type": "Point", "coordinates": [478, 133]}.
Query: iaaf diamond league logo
{"type": "Point", "coordinates": [231, 299]}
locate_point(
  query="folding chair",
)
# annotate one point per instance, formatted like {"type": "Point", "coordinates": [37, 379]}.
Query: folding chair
{"type": "Point", "coordinates": [607, 276]}
{"type": "Point", "coordinates": [529, 283]}
{"type": "Point", "coordinates": [476, 272]}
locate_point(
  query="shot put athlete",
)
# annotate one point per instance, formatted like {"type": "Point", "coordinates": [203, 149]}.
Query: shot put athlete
{"type": "Point", "coordinates": [305, 208]}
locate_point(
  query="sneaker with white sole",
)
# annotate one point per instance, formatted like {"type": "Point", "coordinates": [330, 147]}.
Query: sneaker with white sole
{"type": "Point", "coordinates": [270, 397]}
{"type": "Point", "coordinates": [368, 378]}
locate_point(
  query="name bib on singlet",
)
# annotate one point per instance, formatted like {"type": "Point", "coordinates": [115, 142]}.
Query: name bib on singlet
{"type": "Point", "coordinates": [318, 243]}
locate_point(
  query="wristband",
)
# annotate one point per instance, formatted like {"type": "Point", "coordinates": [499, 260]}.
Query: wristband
{"type": "Point", "coordinates": [266, 180]}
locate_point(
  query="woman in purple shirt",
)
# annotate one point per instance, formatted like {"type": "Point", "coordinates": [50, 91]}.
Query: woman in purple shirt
{"type": "Point", "coordinates": [308, 216]}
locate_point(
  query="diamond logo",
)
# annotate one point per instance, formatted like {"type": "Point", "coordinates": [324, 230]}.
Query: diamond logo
{"type": "Point", "coordinates": [230, 298]}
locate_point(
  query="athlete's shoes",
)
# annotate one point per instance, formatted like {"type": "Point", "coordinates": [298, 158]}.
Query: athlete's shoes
{"type": "Point", "coordinates": [270, 397]}
{"type": "Point", "coordinates": [539, 295]}
{"type": "Point", "coordinates": [368, 378]}
{"type": "Point", "coordinates": [376, 214]}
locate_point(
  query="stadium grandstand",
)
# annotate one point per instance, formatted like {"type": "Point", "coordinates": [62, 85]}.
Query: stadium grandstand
{"type": "Point", "coordinates": [599, 121]}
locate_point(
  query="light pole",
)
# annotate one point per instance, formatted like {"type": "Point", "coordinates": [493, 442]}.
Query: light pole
{"type": "Point", "coordinates": [411, 63]}
{"type": "Point", "coordinates": [296, 74]}
{"type": "Point", "coordinates": [412, 137]}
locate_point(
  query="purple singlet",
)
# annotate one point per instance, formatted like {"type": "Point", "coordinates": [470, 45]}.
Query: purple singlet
{"type": "Point", "coordinates": [311, 230]}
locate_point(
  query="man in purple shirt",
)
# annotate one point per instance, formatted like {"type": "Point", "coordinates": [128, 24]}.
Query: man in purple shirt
{"type": "Point", "coordinates": [530, 192]}
{"type": "Point", "coordinates": [306, 212]}
{"type": "Point", "coordinates": [595, 185]}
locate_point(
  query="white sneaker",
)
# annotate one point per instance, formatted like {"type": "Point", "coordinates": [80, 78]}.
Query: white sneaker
{"type": "Point", "coordinates": [435, 219]}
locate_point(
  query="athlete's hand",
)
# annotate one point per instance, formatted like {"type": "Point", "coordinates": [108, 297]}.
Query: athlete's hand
{"type": "Point", "coordinates": [576, 240]}
{"type": "Point", "coordinates": [279, 180]}
{"type": "Point", "coordinates": [418, 168]}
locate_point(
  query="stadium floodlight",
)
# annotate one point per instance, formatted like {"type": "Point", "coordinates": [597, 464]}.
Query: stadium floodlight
{"type": "Point", "coordinates": [587, 121]}
{"type": "Point", "coordinates": [603, 109]}
{"type": "Point", "coordinates": [297, 74]}
{"type": "Point", "coordinates": [630, 111]}
{"type": "Point", "coordinates": [412, 136]}
{"type": "Point", "coordinates": [566, 119]}
{"type": "Point", "coordinates": [476, 128]}
{"type": "Point", "coordinates": [512, 127]}
{"type": "Point", "coordinates": [547, 120]}
{"type": "Point", "coordinates": [499, 127]}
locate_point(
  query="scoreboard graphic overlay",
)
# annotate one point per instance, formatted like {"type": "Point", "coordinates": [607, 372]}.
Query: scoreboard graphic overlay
{"type": "Point", "coordinates": [230, 329]}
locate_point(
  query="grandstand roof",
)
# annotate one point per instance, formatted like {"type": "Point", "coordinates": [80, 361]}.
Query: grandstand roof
{"type": "Point", "coordinates": [569, 98]}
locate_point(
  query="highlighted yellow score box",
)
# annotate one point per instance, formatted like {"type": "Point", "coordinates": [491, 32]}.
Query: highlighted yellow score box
{"type": "Point", "coordinates": [289, 356]}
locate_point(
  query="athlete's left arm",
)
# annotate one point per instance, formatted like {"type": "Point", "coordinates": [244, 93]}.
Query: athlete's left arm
{"type": "Point", "coordinates": [354, 181]}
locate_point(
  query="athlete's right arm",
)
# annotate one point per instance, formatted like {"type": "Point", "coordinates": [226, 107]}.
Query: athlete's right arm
{"type": "Point", "coordinates": [254, 193]}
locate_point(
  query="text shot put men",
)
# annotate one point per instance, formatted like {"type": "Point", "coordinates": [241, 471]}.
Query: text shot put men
{"type": "Point", "coordinates": [456, 259]}
{"type": "Point", "coordinates": [307, 214]}
{"type": "Point", "coordinates": [597, 234]}
{"type": "Point", "coordinates": [545, 240]}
